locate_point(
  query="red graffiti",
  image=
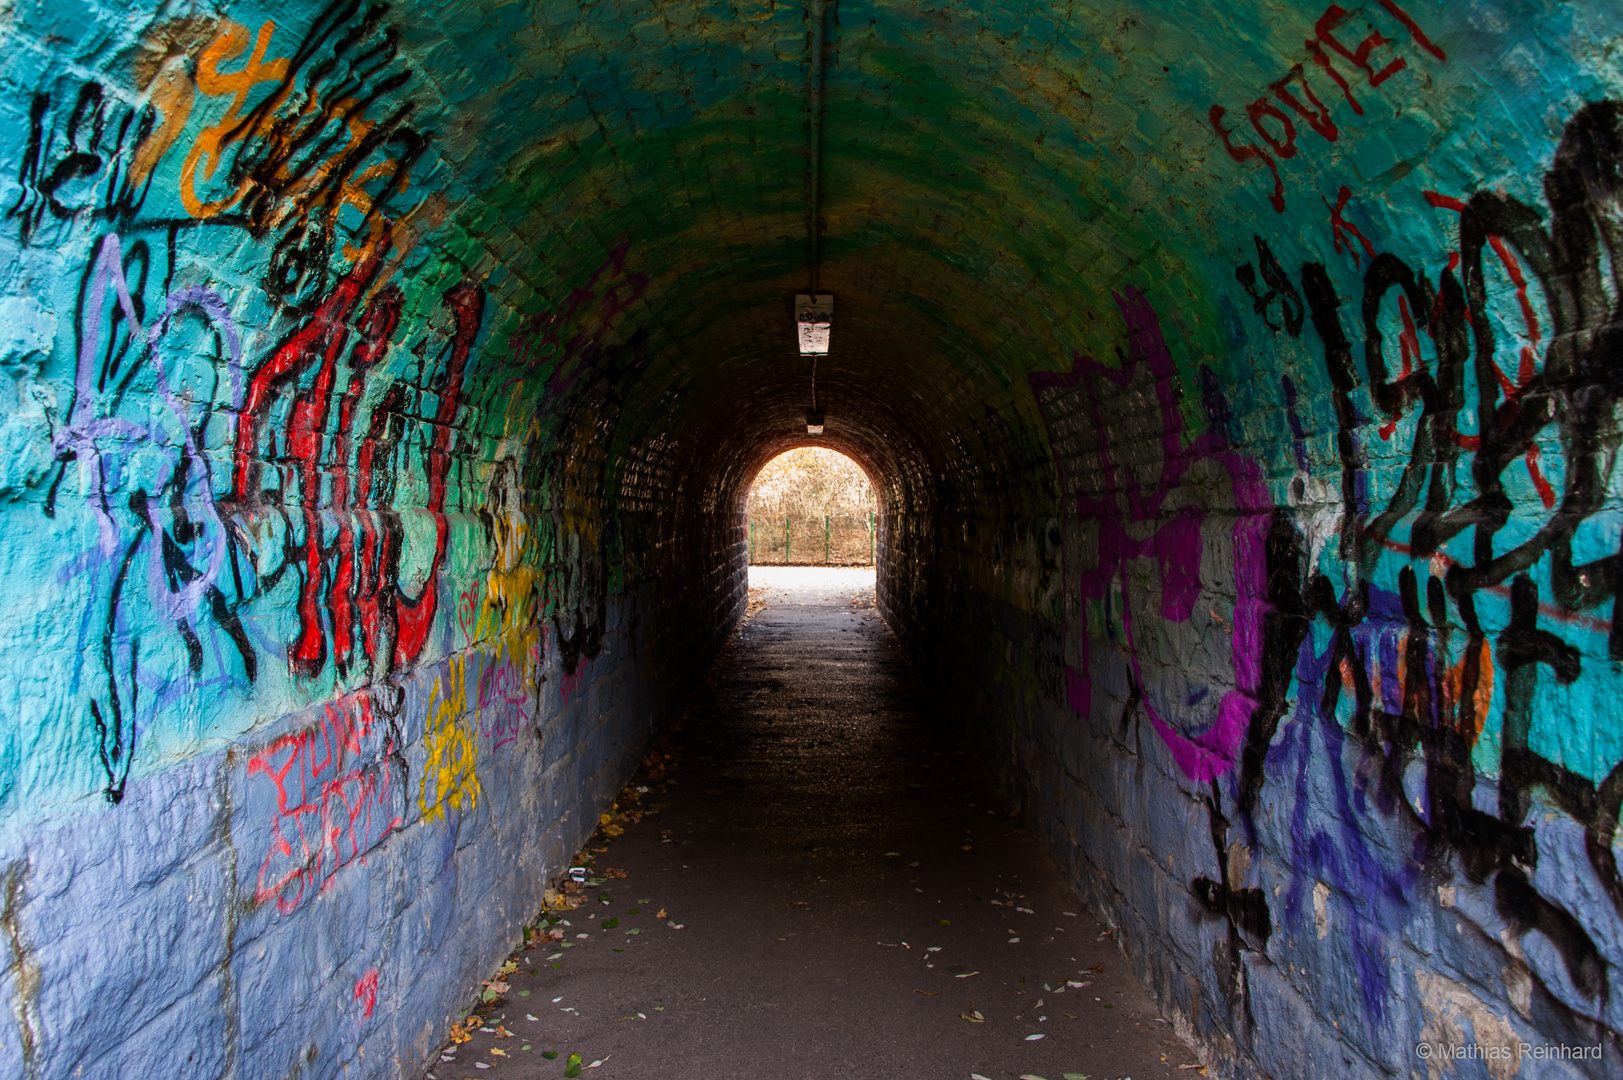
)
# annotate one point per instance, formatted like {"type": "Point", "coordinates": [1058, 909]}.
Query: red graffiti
{"type": "Point", "coordinates": [359, 583]}
{"type": "Point", "coordinates": [1341, 228]}
{"type": "Point", "coordinates": [570, 681]}
{"type": "Point", "coordinates": [1527, 363]}
{"type": "Point", "coordinates": [334, 801]}
{"type": "Point", "coordinates": [366, 992]}
{"type": "Point", "coordinates": [467, 304]}
{"type": "Point", "coordinates": [1276, 129]}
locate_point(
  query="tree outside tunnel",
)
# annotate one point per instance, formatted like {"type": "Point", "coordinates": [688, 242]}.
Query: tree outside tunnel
{"type": "Point", "coordinates": [385, 384]}
{"type": "Point", "coordinates": [817, 498]}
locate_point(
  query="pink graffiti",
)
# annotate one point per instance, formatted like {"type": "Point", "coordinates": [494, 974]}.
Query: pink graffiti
{"type": "Point", "coordinates": [503, 704]}
{"type": "Point", "coordinates": [569, 683]}
{"type": "Point", "coordinates": [333, 804]}
{"type": "Point", "coordinates": [1175, 542]}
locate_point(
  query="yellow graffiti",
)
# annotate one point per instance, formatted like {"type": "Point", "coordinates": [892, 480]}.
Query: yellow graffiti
{"type": "Point", "coordinates": [510, 611]}
{"type": "Point", "coordinates": [450, 775]}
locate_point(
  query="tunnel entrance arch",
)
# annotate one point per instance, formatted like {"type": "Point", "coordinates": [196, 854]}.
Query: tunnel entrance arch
{"type": "Point", "coordinates": [812, 505]}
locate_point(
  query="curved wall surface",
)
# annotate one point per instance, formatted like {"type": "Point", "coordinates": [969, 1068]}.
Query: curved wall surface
{"type": "Point", "coordinates": [383, 383]}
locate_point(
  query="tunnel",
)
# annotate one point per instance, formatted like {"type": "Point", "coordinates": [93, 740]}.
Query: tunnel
{"type": "Point", "coordinates": [1239, 384]}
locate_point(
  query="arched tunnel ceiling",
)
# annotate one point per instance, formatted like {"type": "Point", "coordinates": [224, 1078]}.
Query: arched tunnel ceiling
{"type": "Point", "coordinates": [551, 251]}
{"type": "Point", "coordinates": [990, 174]}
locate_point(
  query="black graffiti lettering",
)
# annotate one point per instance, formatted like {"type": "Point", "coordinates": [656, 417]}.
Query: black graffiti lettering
{"type": "Point", "coordinates": [1280, 289]}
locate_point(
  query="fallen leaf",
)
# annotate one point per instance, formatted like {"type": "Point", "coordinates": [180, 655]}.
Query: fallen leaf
{"type": "Point", "coordinates": [1034, 1038]}
{"type": "Point", "coordinates": [549, 1054]}
{"type": "Point", "coordinates": [637, 931]}
{"type": "Point", "coordinates": [966, 974]}
{"type": "Point", "coordinates": [973, 1016]}
{"type": "Point", "coordinates": [498, 1051]}
{"type": "Point", "coordinates": [661, 914]}
{"type": "Point", "coordinates": [1096, 969]}
{"type": "Point", "coordinates": [1032, 1076]}
{"type": "Point", "coordinates": [531, 1016]}
{"type": "Point", "coordinates": [1071, 1015]}
{"type": "Point", "coordinates": [928, 993]}
{"type": "Point", "coordinates": [503, 1033]}
{"type": "Point", "coordinates": [573, 1066]}
{"type": "Point", "coordinates": [1075, 1076]}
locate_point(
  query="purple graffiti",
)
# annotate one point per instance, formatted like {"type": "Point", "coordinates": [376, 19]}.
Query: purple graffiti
{"type": "Point", "coordinates": [1134, 521]}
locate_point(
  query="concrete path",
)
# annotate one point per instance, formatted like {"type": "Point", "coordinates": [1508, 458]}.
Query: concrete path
{"type": "Point", "coordinates": [818, 884]}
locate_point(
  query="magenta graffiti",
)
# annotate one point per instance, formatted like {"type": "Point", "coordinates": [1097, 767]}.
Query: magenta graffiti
{"type": "Point", "coordinates": [569, 683]}
{"type": "Point", "coordinates": [504, 704]}
{"type": "Point", "coordinates": [1140, 521]}
{"type": "Point", "coordinates": [336, 799]}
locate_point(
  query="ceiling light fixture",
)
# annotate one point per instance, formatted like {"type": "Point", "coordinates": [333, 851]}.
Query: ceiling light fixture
{"type": "Point", "coordinates": [814, 317]}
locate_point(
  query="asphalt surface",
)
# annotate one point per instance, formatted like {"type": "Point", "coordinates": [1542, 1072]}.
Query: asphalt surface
{"type": "Point", "coordinates": [818, 883]}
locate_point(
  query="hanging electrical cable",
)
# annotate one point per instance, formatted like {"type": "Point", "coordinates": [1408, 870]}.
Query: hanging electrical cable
{"type": "Point", "coordinates": [814, 311]}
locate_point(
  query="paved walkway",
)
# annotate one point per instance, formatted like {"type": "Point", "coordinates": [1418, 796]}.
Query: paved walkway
{"type": "Point", "coordinates": [818, 884]}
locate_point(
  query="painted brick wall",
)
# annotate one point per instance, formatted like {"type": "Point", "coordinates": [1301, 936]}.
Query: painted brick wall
{"type": "Point", "coordinates": [1309, 678]}
{"type": "Point", "coordinates": [383, 382]}
{"type": "Point", "coordinates": [337, 590]}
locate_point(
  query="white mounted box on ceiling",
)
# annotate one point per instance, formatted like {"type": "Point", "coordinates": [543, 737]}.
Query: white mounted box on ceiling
{"type": "Point", "coordinates": [814, 316]}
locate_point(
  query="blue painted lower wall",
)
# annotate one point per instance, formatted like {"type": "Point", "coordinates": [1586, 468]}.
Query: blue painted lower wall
{"type": "Point", "coordinates": [282, 908]}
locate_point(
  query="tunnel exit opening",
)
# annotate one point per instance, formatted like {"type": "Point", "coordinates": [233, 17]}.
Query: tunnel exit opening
{"type": "Point", "coordinates": [812, 506]}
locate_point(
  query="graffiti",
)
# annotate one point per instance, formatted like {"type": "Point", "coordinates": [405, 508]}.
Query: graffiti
{"type": "Point", "coordinates": [298, 145]}
{"type": "Point", "coordinates": [1417, 605]}
{"type": "Point", "coordinates": [569, 683]}
{"type": "Point", "coordinates": [1399, 670]}
{"type": "Point", "coordinates": [365, 994]}
{"type": "Point", "coordinates": [307, 147]}
{"type": "Point", "coordinates": [97, 160]}
{"type": "Point", "coordinates": [339, 791]}
{"type": "Point", "coordinates": [585, 383]}
{"type": "Point", "coordinates": [450, 775]}
{"type": "Point", "coordinates": [154, 460]}
{"type": "Point", "coordinates": [504, 710]}
{"type": "Point", "coordinates": [356, 583]}
{"type": "Point", "coordinates": [1273, 125]}
{"type": "Point", "coordinates": [1133, 522]}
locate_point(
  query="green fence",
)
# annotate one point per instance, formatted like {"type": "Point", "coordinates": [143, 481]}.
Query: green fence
{"type": "Point", "coordinates": [813, 541]}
